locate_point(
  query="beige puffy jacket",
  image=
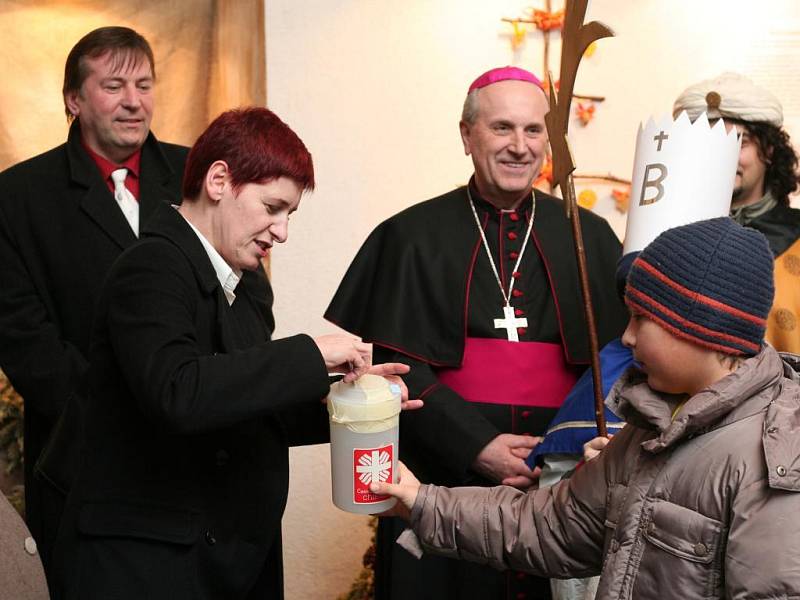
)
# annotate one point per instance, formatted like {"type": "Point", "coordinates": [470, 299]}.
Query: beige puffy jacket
{"type": "Point", "coordinates": [702, 507]}
{"type": "Point", "coordinates": [21, 573]}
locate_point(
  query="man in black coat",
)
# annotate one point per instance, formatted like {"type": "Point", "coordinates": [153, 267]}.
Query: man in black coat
{"type": "Point", "coordinates": [63, 222]}
{"type": "Point", "coordinates": [477, 290]}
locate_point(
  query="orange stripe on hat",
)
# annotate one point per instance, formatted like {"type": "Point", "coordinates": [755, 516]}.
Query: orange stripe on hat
{"type": "Point", "coordinates": [685, 322]}
{"type": "Point", "coordinates": [731, 310]}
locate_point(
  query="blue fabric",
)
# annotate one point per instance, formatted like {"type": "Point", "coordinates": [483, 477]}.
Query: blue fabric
{"type": "Point", "coordinates": [573, 425]}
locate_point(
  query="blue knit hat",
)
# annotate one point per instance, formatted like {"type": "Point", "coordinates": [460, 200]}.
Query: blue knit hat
{"type": "Point", "coordinates": [624, 265]}
{"type": "Point", "coordinates": [709, 282]}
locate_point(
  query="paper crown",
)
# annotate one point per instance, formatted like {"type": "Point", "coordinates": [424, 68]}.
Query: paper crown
{"type": "Point", "coordinates": [682, 172]}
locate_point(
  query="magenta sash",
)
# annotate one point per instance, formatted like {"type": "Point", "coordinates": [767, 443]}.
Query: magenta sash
{"type": "Point", "coordinates": [515, 373]}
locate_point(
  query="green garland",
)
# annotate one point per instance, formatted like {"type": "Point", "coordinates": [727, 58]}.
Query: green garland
{"type": "Point", "coordinates": [363, 588]}
{"type": "Point", "coordinates": [11, 438]}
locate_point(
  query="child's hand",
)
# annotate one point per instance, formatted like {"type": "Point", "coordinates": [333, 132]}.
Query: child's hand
{"type": "Point", "coordinates": [593, 447]}
{"type": "Point", "coordinates": [405, 490]}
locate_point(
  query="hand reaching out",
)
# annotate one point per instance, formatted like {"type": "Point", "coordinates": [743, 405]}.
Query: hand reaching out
{"type": "Point", "coordinates": [392, 372]}
{"type": "Point", "coordinates": [405, 490]}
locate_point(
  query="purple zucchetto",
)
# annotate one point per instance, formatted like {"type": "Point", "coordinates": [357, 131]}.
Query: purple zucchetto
{"type": "Point", "coordinates": [504, 74]}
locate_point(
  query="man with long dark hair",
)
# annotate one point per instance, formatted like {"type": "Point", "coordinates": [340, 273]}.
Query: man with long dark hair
{"type": "Point", "coordinates": [765, 177]}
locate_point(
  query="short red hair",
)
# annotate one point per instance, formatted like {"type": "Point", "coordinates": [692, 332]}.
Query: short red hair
{"type": "Point", "coordinates": [257, 147]}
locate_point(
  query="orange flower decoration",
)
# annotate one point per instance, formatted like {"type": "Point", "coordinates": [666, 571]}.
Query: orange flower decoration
{"type": "Point", "coordinates": [546, 175]}
{"type": "Point", "coordinates": [587, 199]}
{"type": "Point", "coordinates": [546, 85]}
{"type": "Point", "coordinates": [585, 112]}
{"type": "Point", "coordinates": [518, 35]}
{"type": "Point", "coordinates": [547, 21]}
{"type": "Point", "coordinates": [621, 199]}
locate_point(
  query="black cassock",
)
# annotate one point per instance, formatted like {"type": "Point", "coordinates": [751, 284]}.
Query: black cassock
{"type": "Point", "coordinates": [422, 290]}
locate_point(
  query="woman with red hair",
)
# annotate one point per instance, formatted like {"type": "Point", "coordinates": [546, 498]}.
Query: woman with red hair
{"type": "Point", "coordinates": [192, 406]}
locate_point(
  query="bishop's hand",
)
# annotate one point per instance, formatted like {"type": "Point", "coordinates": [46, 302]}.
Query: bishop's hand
{"type": "Point", "coordinates": [392, 372]}
{"type": "Point", "coordinates": [503, 460]}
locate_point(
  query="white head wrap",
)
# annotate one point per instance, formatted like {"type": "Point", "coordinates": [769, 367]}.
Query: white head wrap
{"type": "Point", "coordinates": [730, 96]}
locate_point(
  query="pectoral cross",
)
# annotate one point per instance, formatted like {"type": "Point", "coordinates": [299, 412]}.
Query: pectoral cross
{"type": "Point", "coordinates": [510, 323]}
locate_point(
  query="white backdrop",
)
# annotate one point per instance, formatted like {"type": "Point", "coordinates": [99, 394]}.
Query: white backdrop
{"type": "Point", "coordinates": [375, 87]}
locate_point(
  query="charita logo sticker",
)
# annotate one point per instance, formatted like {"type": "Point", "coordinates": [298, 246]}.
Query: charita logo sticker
{"type": "Point", "coordinates": [371, 465]}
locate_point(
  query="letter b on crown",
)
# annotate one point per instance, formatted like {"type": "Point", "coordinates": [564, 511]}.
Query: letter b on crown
{"type": "Point", "coordinates": [655, 182]}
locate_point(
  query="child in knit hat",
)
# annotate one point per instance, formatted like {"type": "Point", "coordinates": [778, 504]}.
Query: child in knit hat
{"type": "Point", "coordinates": [698, 496]}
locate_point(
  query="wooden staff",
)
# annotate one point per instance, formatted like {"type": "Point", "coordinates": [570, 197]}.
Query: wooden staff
{"type": "Point", "coordinates": [576, 37]}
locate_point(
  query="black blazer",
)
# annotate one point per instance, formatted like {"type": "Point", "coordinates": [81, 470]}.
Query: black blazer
{"type": "Point", "coordinates": [60, 231]}
{"type": "Point", "coordinates": [185, 474]}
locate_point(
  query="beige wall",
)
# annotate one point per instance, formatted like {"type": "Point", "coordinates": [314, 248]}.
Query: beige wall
{"type": "Point", "coordinates": [206, 61]}
{"type": "Point", "coordinates": [375, 88]}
